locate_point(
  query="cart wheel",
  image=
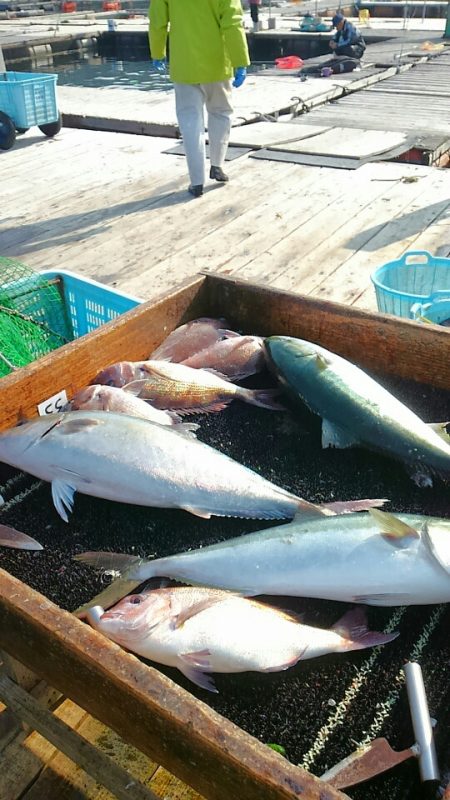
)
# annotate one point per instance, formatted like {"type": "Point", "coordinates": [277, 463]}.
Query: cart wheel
{"type": "Point", "coordinates": [22, 130]}
{"type": "Point", "coordinates": [7, 132]}
{"type": "Point", "coordinates": [52, 128]}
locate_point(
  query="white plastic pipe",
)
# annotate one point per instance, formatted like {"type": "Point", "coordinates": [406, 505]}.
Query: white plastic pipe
{"type": "Point", "coordinates": [420, 717]}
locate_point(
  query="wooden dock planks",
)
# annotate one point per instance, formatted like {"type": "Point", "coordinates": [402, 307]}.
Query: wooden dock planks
{"type": "Point", "coordinates": [115, 206]}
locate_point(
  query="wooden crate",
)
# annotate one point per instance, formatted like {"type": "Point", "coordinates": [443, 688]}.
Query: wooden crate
{"type": "Point", "coordinates": [147, 709]}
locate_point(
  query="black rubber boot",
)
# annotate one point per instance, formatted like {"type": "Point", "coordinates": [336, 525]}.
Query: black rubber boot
{"type": "Point", "coordinates": [196, 191]}
{"type": "Point", "coordinates": [217, 174]}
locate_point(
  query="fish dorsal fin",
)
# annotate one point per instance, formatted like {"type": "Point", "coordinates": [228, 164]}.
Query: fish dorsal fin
{"type": "Point", "coordinates": [322, 362]}
{"type": "Point", "coordinates": [441, 429]}
{"type": "Point", "coordinates": [434, 544]}
{"type": "Point", "coordinates": [392, 528]}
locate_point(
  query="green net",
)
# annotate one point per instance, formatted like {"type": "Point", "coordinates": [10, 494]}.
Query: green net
{"type": "Point", "coordinates": [33, 316]}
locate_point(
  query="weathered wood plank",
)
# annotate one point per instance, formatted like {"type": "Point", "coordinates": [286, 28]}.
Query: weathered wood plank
{"type": "Point", "coordinates": [378, 342]}
{"type": "Point", "coordinates": [22, 761]}
{"type": "Point", "coordinates": [164, 721]}
{"type": "Point", "coordinates": [69, 742]}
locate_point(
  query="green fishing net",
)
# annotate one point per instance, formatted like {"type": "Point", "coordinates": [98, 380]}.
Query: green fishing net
{"type": "Point", "coordinates": [33, 316]}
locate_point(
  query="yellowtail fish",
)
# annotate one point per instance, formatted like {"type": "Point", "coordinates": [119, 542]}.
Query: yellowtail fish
{"type": "Point", "coordinates": [375, 558]}
{"type": "Point", "coordinates": [188, 391]}
{"type": "Point", "coordinates": [188, 339]}
{"type": "Point", "coordinates": [132, 460]}
{"type": "Point", "coordinates": [356, 409]}
{"type": "Point", "coordinates": [200, 630]}
{"type": "Point", "coordinates": [111, 398]}
{"type": "Point", "coordinates": [236, 357]}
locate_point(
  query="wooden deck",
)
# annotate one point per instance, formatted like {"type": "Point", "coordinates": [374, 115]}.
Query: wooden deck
{"type": "Point", "coordinates": [114, 207]}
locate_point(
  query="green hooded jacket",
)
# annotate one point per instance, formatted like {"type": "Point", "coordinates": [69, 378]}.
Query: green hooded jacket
{"type": "Point", "coordinates": [207, 39]}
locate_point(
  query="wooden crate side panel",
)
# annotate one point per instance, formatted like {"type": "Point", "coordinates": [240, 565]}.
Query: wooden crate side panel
{"type": "Point", "coordinates": [378, 342]}
{"type": "Point", "coordinates": [144, 707]}
{"type": "Point", "coordinates": [132, 336]}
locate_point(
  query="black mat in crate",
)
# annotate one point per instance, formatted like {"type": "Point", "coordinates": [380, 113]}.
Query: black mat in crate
{"type": "Point", "coordinates": [320, 710]}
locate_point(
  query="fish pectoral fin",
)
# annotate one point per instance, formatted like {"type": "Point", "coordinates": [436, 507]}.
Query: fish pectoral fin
{"type": "Point", "coordinates": [441, 428]}
{"type": "Point", "coordinates": [62, 494]}
{"type": "Point", "coordinates": [197, 512]}
{"type": "Point", "coordinates": [134, 387]}
{"type": "Point", "coordinates": [439, 553]}
{"type": "Point", "coordinates": [76, 425]}
{"type": "Point", "coordinates": [194, 665]}
{"type": "Point", "coordinates": [334, 436]}
{"type": "Point", "coordinates": [392, 528]}
{"type": "Point", "coordinates": [386, 599]}
{"type": "Point", "coordinates": [196, 608]}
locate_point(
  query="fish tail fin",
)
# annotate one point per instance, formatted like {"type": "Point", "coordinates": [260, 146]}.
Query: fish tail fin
{"type": "Point", "coordinates": [105, 561]}
{"type": "Point", "coordinates": [352, 627]}
{"type": "Point", "coordinates": [10, 537]}
{"type": "Point", "coordinates": [264, 398]}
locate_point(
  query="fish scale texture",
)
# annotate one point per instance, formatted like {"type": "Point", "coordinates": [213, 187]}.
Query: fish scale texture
{"type": "Point", "coordinates": [319, 710]}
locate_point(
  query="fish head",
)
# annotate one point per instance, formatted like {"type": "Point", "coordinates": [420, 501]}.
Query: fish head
{"type": "Point", "coordinates": [15, 442]}
{"type": "Point", "coordinates": [88, 399]}
{"type": "Point", "coordinates": [287, 356]}
{"type": "Point", "coordinates": [116, 374]}
{"type": "Point", "coordinates": [132, 619]}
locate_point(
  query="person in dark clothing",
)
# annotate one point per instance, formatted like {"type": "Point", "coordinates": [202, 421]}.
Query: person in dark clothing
{"type": "Point", "coordinates": [346, 41]}
{"type": "Point", "coordinates": [254, 10]}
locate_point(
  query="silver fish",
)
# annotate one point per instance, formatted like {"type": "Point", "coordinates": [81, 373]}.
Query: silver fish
{"type": "Point", "coordinates": [356, 409]}
{"type": "Point", "coordinates": [131, 460]}
{"type": "Point", "coordinates": [375, 558]}
{"type": "Point", "coordinates": [111, 398]}
{"type": "Point", "coordinates": [200, 631]}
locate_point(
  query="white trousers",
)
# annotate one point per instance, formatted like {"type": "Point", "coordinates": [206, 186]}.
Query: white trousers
{"type": "Point", "coordinates": [190, 100]}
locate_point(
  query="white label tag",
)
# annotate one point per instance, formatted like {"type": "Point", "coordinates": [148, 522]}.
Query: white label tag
{"type": "Point", "coordinates": [53, 404]}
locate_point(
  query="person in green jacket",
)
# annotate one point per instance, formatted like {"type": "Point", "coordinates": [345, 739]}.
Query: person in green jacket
{"type": "Point", "coordinates": [207, 48]}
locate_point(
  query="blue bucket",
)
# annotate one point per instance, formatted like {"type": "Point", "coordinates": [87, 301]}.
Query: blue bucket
{"type": "Point", "coordinates": [416, 277]}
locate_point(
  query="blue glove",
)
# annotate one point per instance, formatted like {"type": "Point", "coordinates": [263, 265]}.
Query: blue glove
{"type": "Point", "coordinates": [240, 74]}
{"type": "Point", "coordinates": [160, 65]}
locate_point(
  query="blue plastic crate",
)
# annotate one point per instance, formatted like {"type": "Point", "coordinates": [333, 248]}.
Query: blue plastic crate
{"type": "Point", "coordinates": [88, 303]}
{"type": "Point", "coordinates": [29, 98]}
{"type": "Point", "coordinates": [416, 277]}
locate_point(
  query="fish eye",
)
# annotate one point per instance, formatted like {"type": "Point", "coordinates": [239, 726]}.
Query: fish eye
{"type": "Point", "coordinates": [135, 599]}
